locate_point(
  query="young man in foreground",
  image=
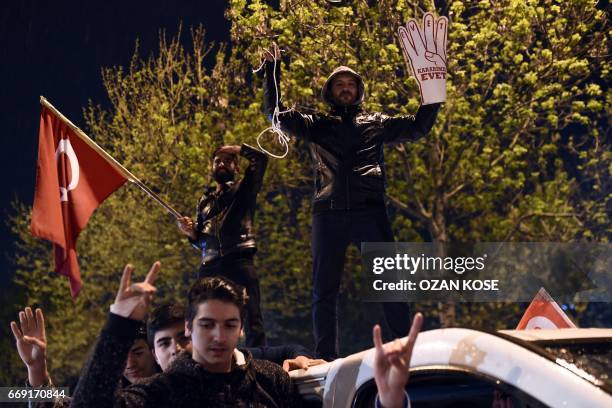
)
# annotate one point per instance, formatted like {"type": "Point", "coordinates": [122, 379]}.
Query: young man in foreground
{"type": "Point", "coordinates": [163, 342]}
{"type": "Point", "coordinates": [166, 334]}
{"type": "Point", "coordinates": [216, 373]}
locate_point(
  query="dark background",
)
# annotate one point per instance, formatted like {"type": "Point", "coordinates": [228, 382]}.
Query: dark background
{"type": "Point", "coordinates": [58, 49]}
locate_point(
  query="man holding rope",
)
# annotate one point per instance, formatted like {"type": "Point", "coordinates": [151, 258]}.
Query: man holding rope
{"type": "Point", "coordinates": [346, 147]}
{"type": "Point", "coordinates": [223, 231]}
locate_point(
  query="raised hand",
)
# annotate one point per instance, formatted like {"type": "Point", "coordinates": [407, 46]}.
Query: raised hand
{"type": "Point", "coordinates": [425, 51]}
{"type": "Point", "coordinates": [230, 149]}
{"type": "Point", "coordinates": [32, 344]}
{"type": "Point", "coordinates": [391, 364]}
{"type": "Point", "coordinates": [272, 53]}
{"type": "Point", "coordinates": [133, 299]}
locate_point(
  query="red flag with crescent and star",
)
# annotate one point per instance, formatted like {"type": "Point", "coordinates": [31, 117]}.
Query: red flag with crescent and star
{"type": "Point", "coordinates": [544, 313]}
{"type": "Point", "coordinates": [72, 180]}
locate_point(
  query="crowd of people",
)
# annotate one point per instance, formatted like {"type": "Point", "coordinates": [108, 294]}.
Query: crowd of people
{"type": "Point", "coordinates": [188, 356]}
{"type": "Point", "coordinates": [186, 353]}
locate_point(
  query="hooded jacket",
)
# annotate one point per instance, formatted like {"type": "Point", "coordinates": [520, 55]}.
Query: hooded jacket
{"type": "Point", "coordinates": [346, 145]}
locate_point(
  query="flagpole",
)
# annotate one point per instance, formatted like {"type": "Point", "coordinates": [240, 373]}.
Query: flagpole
{"type": "Point", "coordinates": [125, 172]}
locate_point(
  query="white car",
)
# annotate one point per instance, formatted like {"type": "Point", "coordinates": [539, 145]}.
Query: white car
{"type": "Point", "coordinates": [467, 368]}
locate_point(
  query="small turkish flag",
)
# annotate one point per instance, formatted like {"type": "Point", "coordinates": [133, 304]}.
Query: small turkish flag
{"type": "Point", "coordinates": [72, 179]}
{"type": "Point", "coordinates": [544, 313]}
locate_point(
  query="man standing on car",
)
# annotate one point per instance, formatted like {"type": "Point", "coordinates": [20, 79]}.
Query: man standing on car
{"type": "Point", "coordinates": [346, 148]}
{"type": "Point", "coordinates": [223, 231]}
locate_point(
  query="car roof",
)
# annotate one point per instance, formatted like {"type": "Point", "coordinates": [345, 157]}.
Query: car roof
{"type": "Point", "coordinates": [503, 356]}
{"type": "Point", "coordinates": [559, 334]}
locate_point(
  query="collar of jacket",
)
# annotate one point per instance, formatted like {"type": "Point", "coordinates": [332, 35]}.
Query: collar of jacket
{"type": "Point", "coordinates": [186, 365]}
{"type": "Point", "coordinates": [212, 192]}
{"type": "Point", "coordinates": [227, 186]}
{"type": "Point", "coordinates": [345, 111]}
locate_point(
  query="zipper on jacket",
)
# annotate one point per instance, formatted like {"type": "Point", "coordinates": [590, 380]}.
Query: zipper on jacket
{"type": "Point", "coordinates": [348, 194]}
{"type": "Point", "coordinates": [348, 169]}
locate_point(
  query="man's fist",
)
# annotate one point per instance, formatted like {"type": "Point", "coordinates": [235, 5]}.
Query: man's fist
{"type": "Point", "coordinates": [272, 53]}
{"type": "Point", "coordinates": [185, 225]}
{"type": "Point", "coordinates": [425, 51]}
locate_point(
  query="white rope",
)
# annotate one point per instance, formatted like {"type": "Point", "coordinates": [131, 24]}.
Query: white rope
{"type": "Point", "coordinates": [275, 128]}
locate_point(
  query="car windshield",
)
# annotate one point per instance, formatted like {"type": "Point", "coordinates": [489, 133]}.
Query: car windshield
{"type": "Point", "coordinates": [589, 359]}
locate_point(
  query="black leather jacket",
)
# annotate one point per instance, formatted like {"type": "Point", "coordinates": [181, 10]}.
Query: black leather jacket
{"type": "Point", "coordinates": [225, 219]}
{"type": "Point", "coordinates": [346, 146]}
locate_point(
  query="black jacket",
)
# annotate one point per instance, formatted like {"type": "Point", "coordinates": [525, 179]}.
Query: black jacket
{"type": "Point", "coordinates": [346, 146]}
{"type": "Point", "coordinates": [225, 220]}
{"type": "Point", "coordinates": [256, 383]}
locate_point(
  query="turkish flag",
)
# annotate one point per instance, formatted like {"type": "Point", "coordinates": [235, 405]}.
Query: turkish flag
{"type": "Point", "coordinates": [544, 313]}
{"type": "Point", "coordinates": [72, 179]}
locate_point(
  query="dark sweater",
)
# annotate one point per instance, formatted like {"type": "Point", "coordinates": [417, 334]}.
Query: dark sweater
{"type": "Point", "coordinates": [185, 383]}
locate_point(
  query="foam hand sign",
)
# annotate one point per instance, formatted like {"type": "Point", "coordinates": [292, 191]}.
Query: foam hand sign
{"type": "Point", "coordinates": [425, 49]}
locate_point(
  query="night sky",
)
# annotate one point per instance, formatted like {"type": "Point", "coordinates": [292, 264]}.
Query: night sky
{"type": "Point", "coordinates": [57, 49]}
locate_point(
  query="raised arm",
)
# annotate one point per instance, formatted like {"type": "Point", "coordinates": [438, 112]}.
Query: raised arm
{"type": "Point", "coordinates": [31, 343]}
{"type": "Point", "coordinates": [424, 48]}
{"type": "Point", "coordinates": [392, 365]}
{"type": "Point", "coordinates": [292, 121]}
{"type": "Point", "coordinates": [100, 376]}
{"type": "Point", "coordinates": [254, 173]}
{"type": "Point", "coordinates": [399, 129]}
{"type": "Point", "coordinates": [98, 382]}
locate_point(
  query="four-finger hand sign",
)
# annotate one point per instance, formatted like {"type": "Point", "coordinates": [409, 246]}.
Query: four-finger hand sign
{"type": "Point", "coordinates": [31, 343]}
{"type": "Point", "coordinates": [425, 50]}
{"type": "Point", "coordinates": [30, 336]}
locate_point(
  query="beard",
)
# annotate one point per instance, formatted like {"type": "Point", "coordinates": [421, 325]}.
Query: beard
{"type": "Point", "coordinates": [223, 176]}
{"type": "Point", "coordinates": [345, 99]}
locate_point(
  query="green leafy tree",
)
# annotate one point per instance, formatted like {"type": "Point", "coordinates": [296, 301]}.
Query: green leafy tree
{"type": "Point", "coordinates": [517, 151]}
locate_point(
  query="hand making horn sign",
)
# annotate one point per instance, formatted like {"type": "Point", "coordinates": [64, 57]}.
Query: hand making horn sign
{"type": "Point", "coordinates": [133, 299]}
